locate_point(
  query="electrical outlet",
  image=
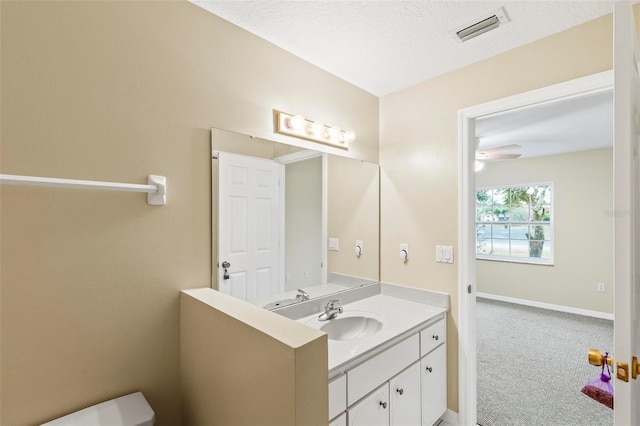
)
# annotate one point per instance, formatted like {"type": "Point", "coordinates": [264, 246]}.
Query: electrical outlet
{"type": "Point", "coordinates": [601, 287]}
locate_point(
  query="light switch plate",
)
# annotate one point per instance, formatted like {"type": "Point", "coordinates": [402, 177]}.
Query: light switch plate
{"type": "Point", "coordinates": [444, 254]}
{"type": "Point", "coordinates": [334, 244]}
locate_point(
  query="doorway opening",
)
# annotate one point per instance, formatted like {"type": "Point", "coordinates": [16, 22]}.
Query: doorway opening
{"type": "Point", "coordinates": [470, 120]}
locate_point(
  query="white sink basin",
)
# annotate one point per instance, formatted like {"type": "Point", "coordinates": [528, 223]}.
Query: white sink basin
{"type": "Point", "coordinates": [351, 328]}
{"type": "Point", "coordinates": [350, 325]}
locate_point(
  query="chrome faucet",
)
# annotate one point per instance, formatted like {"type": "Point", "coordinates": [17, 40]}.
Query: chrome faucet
{"type": "Point", "coordinates": [331, 311]}
{"type": "Point", "coordinates": [302, 295]}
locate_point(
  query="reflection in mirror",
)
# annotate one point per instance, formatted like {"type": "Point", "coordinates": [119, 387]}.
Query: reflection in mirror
{"type": "Point", "coordinates": [290, 224]}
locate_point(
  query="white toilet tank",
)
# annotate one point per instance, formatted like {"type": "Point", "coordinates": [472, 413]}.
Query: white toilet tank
{"type": "Point", "coordinates": [128, 410]}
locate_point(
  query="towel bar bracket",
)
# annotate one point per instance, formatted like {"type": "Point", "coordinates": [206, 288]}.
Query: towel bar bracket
{"type": "Point", "coordinates": [158, 198]}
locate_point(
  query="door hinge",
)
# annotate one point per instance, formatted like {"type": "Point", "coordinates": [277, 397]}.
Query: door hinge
{"type": "Point", "coordinates": [469, 289]}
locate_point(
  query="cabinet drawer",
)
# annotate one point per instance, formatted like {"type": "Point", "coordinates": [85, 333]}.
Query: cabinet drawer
{"type": "Point", "coordinates": [432, 336]}
{"type": "Point", "coordinates": [337, 396]}
{"type": "Point", "coordinates": [372, 373]}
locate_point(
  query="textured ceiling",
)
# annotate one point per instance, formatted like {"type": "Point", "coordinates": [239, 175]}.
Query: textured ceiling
{"type": "Point", "coordinates": [576, 124]}
{"type": "Point", "coordinates": [384, 46]}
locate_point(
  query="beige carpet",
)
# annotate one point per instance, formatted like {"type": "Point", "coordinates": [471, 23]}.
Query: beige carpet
{"type": "Point", "coordinates": [532, 364]}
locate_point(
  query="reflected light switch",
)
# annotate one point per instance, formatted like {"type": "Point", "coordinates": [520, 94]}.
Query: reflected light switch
{"type": "Point", "coordinates": [334, 244]}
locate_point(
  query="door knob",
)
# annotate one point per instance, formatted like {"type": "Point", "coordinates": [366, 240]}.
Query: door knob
{"type": "Point", "coordinates": [429, 369]}
{"type": "Point", "coordinates": [383, 405]}
{"type": "Point", "coordinates": [400, 391]}
{"type": "Point", "coordinates": [225, 265]}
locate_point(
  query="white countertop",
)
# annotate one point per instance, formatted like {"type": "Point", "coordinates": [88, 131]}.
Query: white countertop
{"type": "Point", "coordinates": [398, 316]}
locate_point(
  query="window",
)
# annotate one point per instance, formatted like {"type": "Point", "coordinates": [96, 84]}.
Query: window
{"type": "Point", "coordinates": [515, 223]}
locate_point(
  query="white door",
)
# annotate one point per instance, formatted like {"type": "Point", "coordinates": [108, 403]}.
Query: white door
{"type": "Point", "coordinates": [249, 222]}
{"type": "Point", "coordinates": [626, 211]}
{"type": "Point", "coordinates": [372, 410]}
{"type": "Point", "coordinates": [404, 397]}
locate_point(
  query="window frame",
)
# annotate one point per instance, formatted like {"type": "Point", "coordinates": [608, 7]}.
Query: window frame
{"type": "Point", "coordinates": [526, 260]}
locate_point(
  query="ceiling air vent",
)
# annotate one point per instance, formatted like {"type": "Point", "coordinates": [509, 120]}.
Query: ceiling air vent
{"type": "Point", "coordinates": [480, 26]}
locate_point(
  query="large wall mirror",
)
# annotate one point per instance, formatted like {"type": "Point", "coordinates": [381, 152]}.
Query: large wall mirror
{"type": "Point", "coordinates": [290, 223]}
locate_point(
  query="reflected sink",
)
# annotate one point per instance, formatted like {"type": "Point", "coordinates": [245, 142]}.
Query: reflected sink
{"type": "Point", "coordinates": [352, 327]}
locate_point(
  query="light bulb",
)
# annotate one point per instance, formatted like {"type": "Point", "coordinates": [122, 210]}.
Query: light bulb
{"type": "Point", "coordinates": [296, 122]}
{"type": "Point", "coordinates": [316, 129]}
{"type": "Point", "coordinates": [334, 133]}
{"type": "Point", "coordinates": [349, 136]}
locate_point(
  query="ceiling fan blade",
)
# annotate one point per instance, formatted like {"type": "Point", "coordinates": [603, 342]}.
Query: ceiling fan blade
{"type": "Point", "coordinates": [501, 148]}
{"type": "Point", "coordinates": [502, 156]}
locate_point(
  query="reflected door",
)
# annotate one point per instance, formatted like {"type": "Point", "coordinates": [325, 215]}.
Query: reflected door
{"type": "Point", "coordinates": [250, 218]}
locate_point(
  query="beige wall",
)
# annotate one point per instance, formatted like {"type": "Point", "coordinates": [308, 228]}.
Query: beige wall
{"type": "Point", "coordinates": [583, 237]}
{"type": "Point", "coordinates": [115, 91]}
{"type": "Point", "coordinates": [419, 155]}
{"type": "Point", "coordinates": [353, 214]}
{"type": "Point", "coordinates": [269, 370]}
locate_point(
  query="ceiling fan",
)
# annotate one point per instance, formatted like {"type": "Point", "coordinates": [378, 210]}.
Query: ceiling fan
{"type": "Point", "coordinates": [491, 154]}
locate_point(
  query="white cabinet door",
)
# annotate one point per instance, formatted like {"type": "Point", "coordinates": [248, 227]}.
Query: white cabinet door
{"type": "Point", "coordinates": [372, 410]}
{"type": "Point", "coordinates": [339, 421]}
{"type": "Point", "coordinates": [404, 397]}
{"type": "Point", "coordinates": [434, 385]}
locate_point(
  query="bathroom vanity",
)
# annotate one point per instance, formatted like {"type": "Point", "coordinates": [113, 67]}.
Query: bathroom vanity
{"type": "Point", "coordinates": [381, 360]}
{"type": "Point", "coordinates": [405, 384]}
{"type": "Point", "coordinates": [387, 357]}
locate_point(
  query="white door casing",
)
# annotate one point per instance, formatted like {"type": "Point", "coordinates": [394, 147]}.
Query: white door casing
{"type": "Point", "coordinates": [626, 214]}
{"type": "Point", "coordinates": [249, 217]}
{"type": "Point", "coordinates": [595, 83]}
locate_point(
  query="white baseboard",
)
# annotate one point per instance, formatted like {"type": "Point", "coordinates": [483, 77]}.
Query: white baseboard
{"type": "Point", "coordinates": [451, 418]}
{"type": "Point", "coordinates": [552, 307]}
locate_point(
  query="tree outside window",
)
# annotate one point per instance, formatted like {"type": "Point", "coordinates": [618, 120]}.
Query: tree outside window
{"type": "Point", "coordinates": [514, 223]}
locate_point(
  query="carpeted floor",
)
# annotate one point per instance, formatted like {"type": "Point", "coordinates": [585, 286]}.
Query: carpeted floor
{"type": "Point", "coordinates": [532, 364]}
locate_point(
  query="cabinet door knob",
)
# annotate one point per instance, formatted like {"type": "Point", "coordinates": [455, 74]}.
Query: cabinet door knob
{"type": "Point", "coordinates": [400, 391]}
{"type": "Point", "coordinates": [384, 405]}
{"type": "Point", "coordinates": [429, 369]}
{"type": "Point", "coordinates": [435, 337]}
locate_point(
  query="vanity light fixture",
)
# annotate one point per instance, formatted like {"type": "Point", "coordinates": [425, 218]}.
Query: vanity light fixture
{"type": "Point", "coordinates": [300, 127]}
